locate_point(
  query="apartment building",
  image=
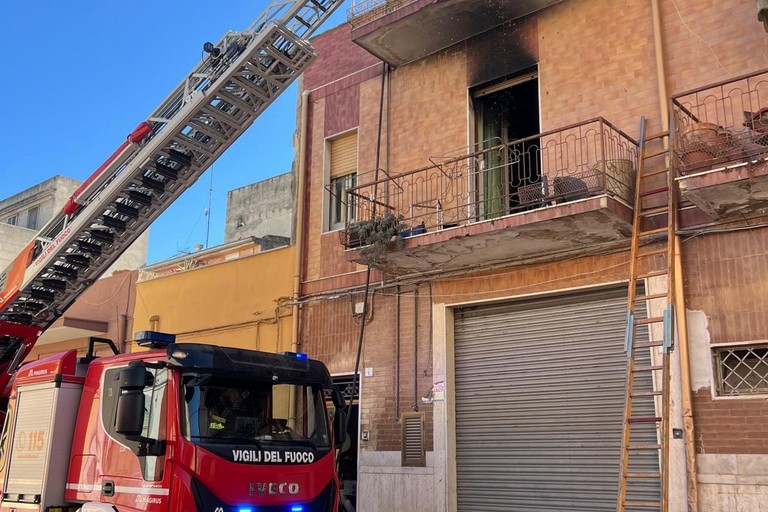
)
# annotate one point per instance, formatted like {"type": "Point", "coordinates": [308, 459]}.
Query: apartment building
{"type": "Point", "coordinates": [105, 309]}
{"type": "Point", "coordinates": [501, 141]}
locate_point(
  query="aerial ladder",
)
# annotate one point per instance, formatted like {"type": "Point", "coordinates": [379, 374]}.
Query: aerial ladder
{"type": "Point", "coordinates": [240, 76]}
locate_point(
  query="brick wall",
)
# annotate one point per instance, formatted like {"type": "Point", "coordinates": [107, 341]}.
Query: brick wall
{"type": "Point", "coordinates": [595, 61]}
{"type": "Point", "coordinates": [330, 333]}
{"type": "Point", "coordinates": [725, 278]}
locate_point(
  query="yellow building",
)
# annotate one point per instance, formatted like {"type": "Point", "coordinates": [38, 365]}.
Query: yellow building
{"type": "Point", "coordinates": [231, 295]}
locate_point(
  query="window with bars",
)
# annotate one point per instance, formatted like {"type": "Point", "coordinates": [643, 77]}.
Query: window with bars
{"type": "Point", "coordinates": [13, 220]}
{"type": "Point", "coordinates": [741, 370]}
{"type": "Point", "coordinates": [413, 452]}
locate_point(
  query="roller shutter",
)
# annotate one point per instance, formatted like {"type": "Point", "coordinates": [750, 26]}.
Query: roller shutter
{"type": "Point", "coordinates": [344, 155]}
{"type": "Point", "coordinates": [539, 404]}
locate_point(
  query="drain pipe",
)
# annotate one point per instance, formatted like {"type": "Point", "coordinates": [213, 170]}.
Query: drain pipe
{"type": "Point", "coordinates": [682, 325]}
{"type": "Point", "coordinates": [416, 348]}
{"type": "Point", "coordinates": [299, 222]}
{"type": "Point", "coordinates": [397, 353]}
{"type": "Point", "coordinates": [685, 381]}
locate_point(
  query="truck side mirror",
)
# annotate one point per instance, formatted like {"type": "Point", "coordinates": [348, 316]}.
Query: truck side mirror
{"type": "Point", "coordinates": [130, 402]}
{"type": "Point", "coordinates": [340, 427]}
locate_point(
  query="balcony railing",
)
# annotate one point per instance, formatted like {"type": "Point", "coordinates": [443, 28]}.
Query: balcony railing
{"type": "Point", "coordinates": [472, 185]}
{"type": "Point", "coordinates": [365, 11]}
{"type": "Point", "coordinates": [721, 123]}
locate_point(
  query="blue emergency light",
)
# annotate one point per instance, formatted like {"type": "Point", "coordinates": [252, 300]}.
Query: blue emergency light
{"type": "Point", "coordinates": [154, 339]}
{"type": "Point", "coordinates": [298, 355]}
{"type": "Point", "coordinates": [298, 508]}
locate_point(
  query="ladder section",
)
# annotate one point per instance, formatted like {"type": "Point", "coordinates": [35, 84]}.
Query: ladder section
{"type": "Point", "coordinates": [239, 78]}
{"type": "Point", "coordinates": [643, 480]}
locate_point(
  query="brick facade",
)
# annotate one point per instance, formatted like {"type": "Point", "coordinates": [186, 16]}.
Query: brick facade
{"type": "Point", "coordinates": [595, 58]}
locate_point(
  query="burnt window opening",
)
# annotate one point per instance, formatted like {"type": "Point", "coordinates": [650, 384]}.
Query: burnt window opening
{"type": "Point", "coordinates": [506, 116]}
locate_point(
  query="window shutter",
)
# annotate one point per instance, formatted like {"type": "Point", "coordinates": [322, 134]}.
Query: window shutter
{"type": "Point", "coordinates": [412, 451]}
{"type": "Point", "coordinates": [344, 155]}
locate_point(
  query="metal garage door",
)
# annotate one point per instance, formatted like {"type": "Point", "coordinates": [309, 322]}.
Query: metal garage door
{"type": "Point", "coordinates": [539, 404]}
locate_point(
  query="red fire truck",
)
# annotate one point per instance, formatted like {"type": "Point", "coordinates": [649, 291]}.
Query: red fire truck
{"type": "Point", "coordinates": [179, 428]}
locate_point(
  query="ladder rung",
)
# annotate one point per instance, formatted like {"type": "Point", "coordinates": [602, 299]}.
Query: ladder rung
{"type": "Point", "coordinates": [20, 318]}
{"type": "Point", "coordinates": [652, 252]}
{"type": "Point", "coordinates": [646, 393]}
{"type": "Point", "coordinates": [113, 223]}
{"type": "Point", "coordinates": [649, 320]}
{"type": "Point", "coordinates": [648, 345]}
{"type": "Point", "coordinates": [655, 173]}
{"type": "Point", "coordinates": [88, 247]}
{"type": "Point", "coordinates": [166, 171]}
{"type": "Point", "coordinates": [655, 136]}
{"type": "Point", "coordinates": [653, 296]}
{"type": "Point", "coordinates": [637, 447]}
{"type": "Point", "coordinates": [63, 271]}
{"type": "Point", "coordinates": [655, 273]}
{"type": "Point", "coordinates": [651, 368]}
{"type": "Point", "coordinates": [658, 210]}
{"type": "Point", "coordinates": [152, 183]}
{"type": "Point", "coordinates": [29, 305]}
{"type": "Point", "coordinates": [102, 235]}
{"type": "Point", "coordinates": [127, 210]}
{"type": "Point", "coordinates": [647, 419]}
{"type": "Point", "coordinates": [643, 475]}
{"type": "Point", "coordinates": [642, 504]}
{"type": "Point", "coordinates": [179, 157]}
{"type": "Point", "coordinates": [654, 191]}
{"type": "Point", "coordinates": [651, 232]}
{"type": "Point", "coordinates": [55, 284]}
{"type": "Point", "coordinates": [657, 153]}
{"type": "Point", "coordinates": [77, 260]}
{"type": "Point", "coordinates": [41, 294]}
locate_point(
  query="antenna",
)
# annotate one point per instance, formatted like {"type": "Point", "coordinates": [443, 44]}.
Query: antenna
{"type": "Point", "coordinates": [208, 211]}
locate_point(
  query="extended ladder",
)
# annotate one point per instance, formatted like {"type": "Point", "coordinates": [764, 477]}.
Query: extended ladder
{"type": "Point", "coordinates": [238, 79]}
{"type": "Point", "coordinates": [643, 480]}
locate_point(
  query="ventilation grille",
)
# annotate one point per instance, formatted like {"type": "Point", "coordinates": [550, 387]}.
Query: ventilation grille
{"type": "Point", "coordinates": [413, 453]}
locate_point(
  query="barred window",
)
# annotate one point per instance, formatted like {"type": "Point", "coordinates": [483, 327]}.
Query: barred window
{"type": "Point", "coordinates": [742, 370]}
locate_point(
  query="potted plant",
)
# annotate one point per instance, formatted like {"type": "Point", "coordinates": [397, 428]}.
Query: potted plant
{"type": "Point", "coordinates": [377, 235]}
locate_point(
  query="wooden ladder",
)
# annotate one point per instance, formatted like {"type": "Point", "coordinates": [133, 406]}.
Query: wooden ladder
{"type": "Point", "coordinates": [643, 481]}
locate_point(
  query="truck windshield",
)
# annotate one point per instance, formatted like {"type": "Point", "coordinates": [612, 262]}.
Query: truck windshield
{"type": "Point", "coordinates": [227, 411]}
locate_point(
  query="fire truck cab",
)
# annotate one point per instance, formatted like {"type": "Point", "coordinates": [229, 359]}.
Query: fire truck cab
{"type": "Point", "coordinates": [183, 428]}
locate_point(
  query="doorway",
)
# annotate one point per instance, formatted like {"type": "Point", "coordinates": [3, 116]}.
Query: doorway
{"type": "Point", "coordinates": [507, 117]}
{"type": "Point", "coordinates": [349, 452]}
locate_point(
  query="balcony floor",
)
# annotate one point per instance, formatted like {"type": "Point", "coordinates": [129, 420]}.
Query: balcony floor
{"type": "Point", "coordinates": [544, 234]}
{"type": "Point", "coordinates": [423, 27]}
{"type": "Point", "coordinates": [733, 190]}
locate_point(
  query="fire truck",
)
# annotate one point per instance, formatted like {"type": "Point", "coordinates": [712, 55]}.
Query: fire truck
{"type": "Point", "coordinates": [179, 427]}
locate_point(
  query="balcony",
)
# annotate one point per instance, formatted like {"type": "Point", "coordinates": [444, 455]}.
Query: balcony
{"type": "Point", "coordinates": [401, 31]}
{"type": "Point", "coordinates": [556, 194]}
{"type": "Point", "coordinates": [720, 146]}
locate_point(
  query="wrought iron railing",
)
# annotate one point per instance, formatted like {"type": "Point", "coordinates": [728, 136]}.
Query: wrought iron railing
{"type": "Point", "coordinates": [493, 180]}
{"type": "Point", "coordinates": [721, 123]}
{"type": "Point", "coordinates": [366, 11]}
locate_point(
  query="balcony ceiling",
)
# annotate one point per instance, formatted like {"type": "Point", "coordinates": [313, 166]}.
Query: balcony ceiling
{"type": "Point", "coordinates": [737, 190]}
{"type": "Point", "coordinates": [424, 27]}
{"type": "Point", "coordinates": [549, 233]}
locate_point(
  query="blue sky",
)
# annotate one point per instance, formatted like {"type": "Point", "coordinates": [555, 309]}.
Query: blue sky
{"type": "Point", "coordinates": [77, 76]}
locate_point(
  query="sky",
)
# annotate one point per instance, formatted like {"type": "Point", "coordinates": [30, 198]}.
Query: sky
{"type": "Point", "coordinates": [77, 76]}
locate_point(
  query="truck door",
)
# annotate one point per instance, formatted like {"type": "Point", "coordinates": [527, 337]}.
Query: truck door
{"type": "Point", "coordinates": [135, 475]}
